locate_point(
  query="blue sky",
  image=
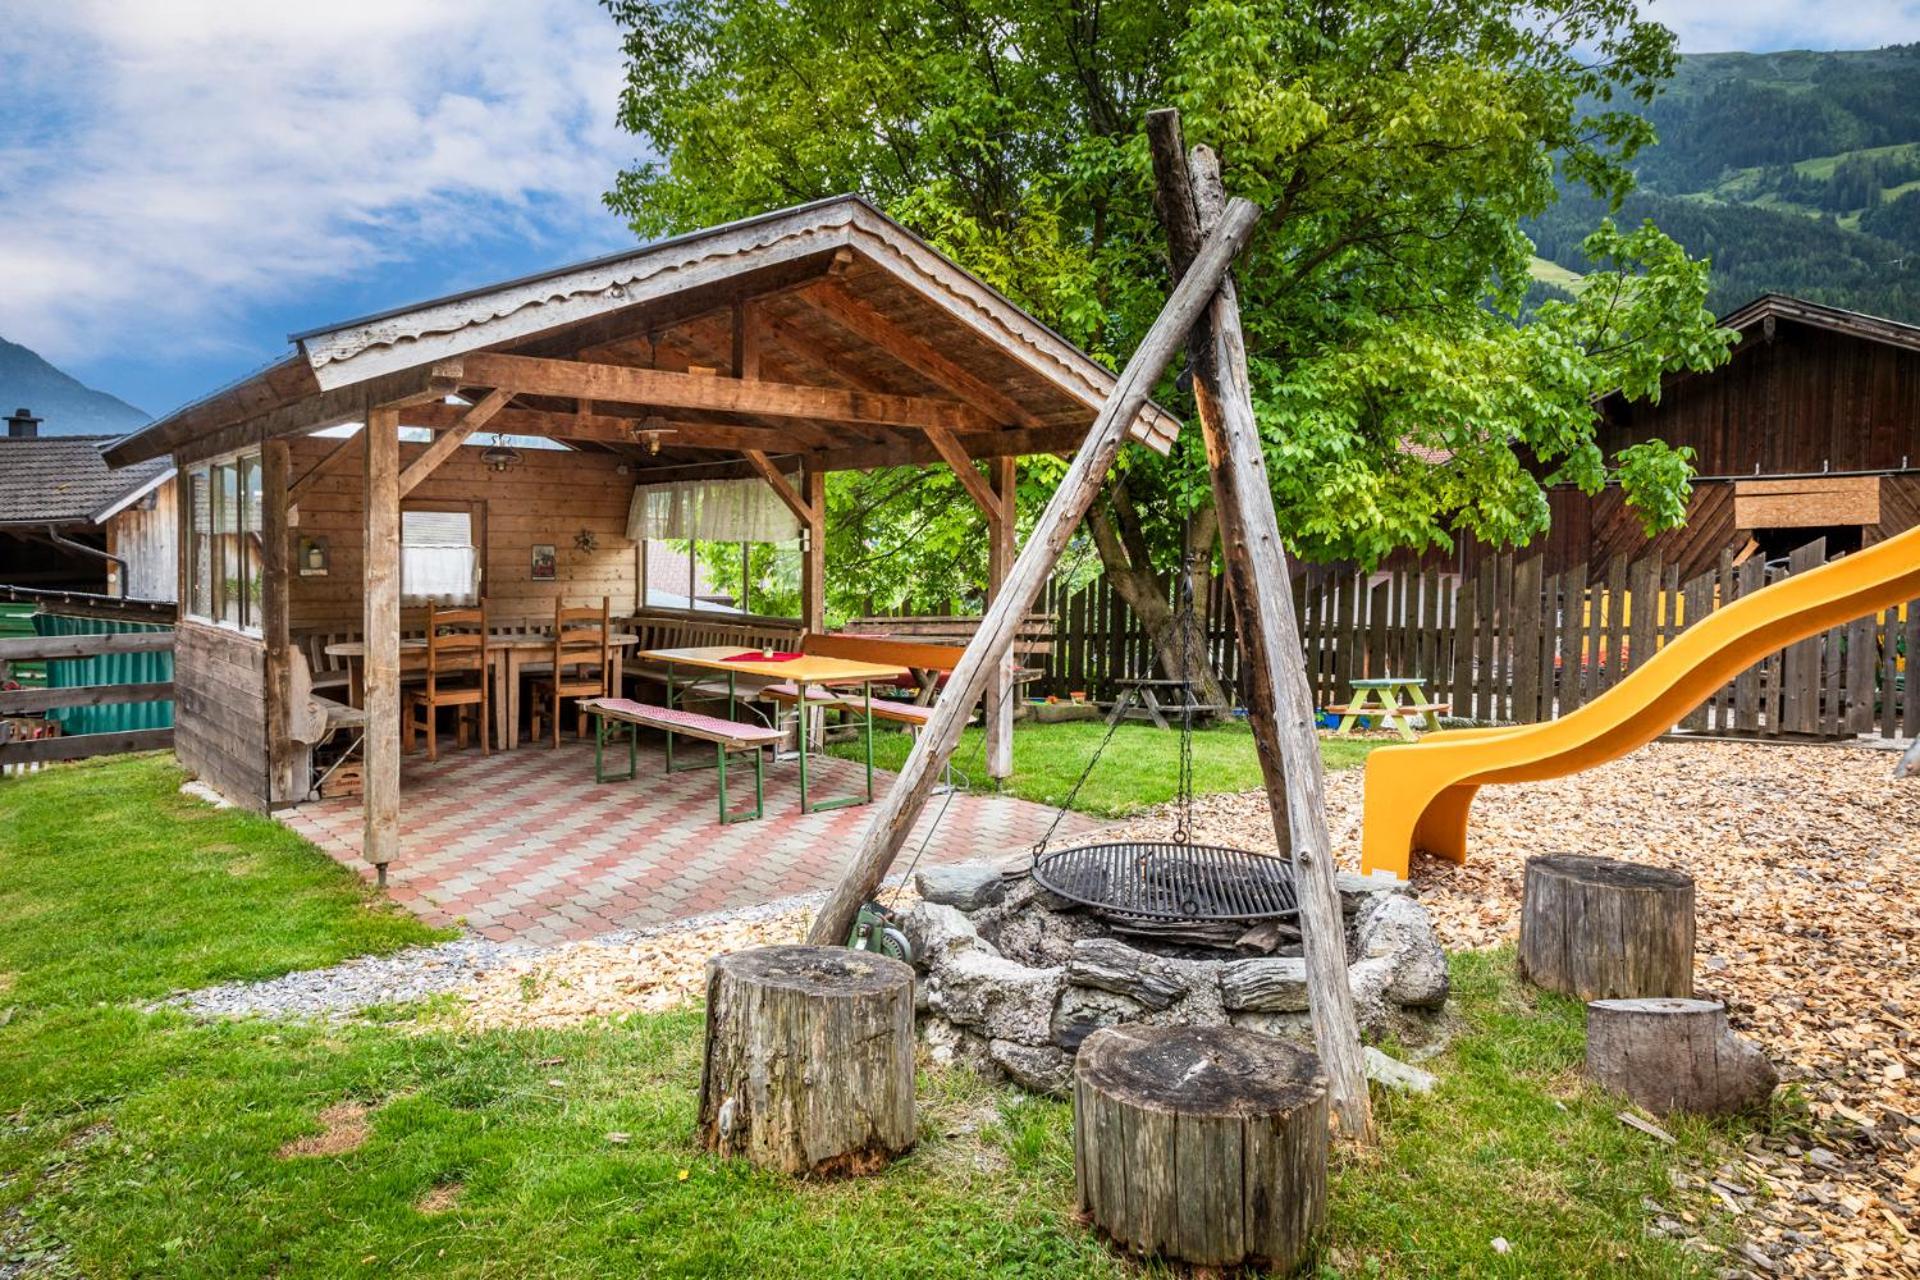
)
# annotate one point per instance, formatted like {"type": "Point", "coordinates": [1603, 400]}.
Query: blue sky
{"type": "Point", "coordinates": [185, 182]}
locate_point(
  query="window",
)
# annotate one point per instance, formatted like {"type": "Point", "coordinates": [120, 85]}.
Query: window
{"type": "Point", "coordinates": [224, 550]}
{"type": "Point", "coordinates": [439, 561]}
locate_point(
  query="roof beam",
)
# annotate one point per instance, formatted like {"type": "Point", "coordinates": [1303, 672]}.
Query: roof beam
{"type": "Point", "coordinates": [627, 385]}
{"type": "Point", "coordinates": [603, 428]}
{"type": "Point", "coordinates": [832, 300]}
{"type": "Point", "coordinates": [447, 441]}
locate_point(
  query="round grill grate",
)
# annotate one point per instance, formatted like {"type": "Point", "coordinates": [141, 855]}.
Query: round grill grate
{"type": "Point", "coordinates": [1167, 881]}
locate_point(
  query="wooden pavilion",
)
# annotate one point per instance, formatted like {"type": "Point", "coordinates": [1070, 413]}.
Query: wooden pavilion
{"type": "Point", "coordinates": [819, 338]}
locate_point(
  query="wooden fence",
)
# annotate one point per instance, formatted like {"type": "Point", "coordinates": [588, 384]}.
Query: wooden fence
{"type": "Point", "coordinates": [1513, 644]}
{"type": "Point", "coordinates": [26, 741]}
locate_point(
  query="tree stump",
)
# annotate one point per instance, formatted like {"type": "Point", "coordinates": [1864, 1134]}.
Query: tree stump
{"type": "Point", "coordinates": [809, 1059]}
{"type": "Point", "coordinates": [1203, 1144]}
{"type": "Point", "coordinates": [1602, 930]}
{"type": "Point", "coordinates": [1676, 1055]}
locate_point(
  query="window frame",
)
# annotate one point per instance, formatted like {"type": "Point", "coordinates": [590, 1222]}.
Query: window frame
{"type": "Point", "coordinates": [207, 601]}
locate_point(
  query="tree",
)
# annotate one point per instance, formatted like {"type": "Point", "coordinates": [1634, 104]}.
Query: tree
{"type": "Point", "coordinates": [1395, 144]}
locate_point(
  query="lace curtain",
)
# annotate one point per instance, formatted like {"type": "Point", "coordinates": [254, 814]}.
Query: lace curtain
{"type": "Point", "coordinates": [711, 511]}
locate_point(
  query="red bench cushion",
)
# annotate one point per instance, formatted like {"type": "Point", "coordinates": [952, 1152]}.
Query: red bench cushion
{"type": "Point", "coordinates": [666, 717]}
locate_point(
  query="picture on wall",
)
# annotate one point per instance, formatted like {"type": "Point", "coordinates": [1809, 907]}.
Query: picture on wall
{"type": "Point", "coordinates": [312, 555]}
{"type": "Point", "coordinates": [545, 564]}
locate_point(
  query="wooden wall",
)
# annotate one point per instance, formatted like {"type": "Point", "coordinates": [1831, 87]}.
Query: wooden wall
{"type": "Point", "coordinates": [220, 716]}
{"type": "Point", "coordinates": [1808, 401]}
{"type": "Point", "coordinates": [149, 541]}
{"type": "Point", "coordinates": [550, 497]}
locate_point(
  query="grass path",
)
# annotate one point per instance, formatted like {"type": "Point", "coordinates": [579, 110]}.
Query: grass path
{"type": "Point", "coordinates": [147, 1144]}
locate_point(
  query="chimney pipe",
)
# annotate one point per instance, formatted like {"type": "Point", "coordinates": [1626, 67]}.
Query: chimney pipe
{"type": "Point", "coordinates": [22, 425]}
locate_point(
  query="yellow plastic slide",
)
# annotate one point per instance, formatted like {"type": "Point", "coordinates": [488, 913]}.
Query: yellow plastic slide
{"type": "Point", "coordinates": [1419, 796]}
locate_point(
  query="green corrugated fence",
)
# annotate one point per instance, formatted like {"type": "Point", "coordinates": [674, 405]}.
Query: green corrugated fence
{"type": "Point", "coordinates": [106, 668]}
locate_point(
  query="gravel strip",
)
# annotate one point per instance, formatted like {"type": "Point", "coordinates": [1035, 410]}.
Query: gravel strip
{"type": "Point", "coordinates": [345, 989]}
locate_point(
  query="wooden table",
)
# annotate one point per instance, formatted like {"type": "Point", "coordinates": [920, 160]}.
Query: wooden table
{"type": "Point", "coordinates": [1381, 697]}
{"type": "Point", "coordinates": [508, 654]}
{"type": "Point", "coordinates": [808, 669]}
{"type": "Point", "coordinates": [1142, 691]}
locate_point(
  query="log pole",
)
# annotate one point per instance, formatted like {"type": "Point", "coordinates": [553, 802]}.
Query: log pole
{"type": "Point", "coordinates": [1207, 1145]}
{"type": "Point", "coordinates": [809, 1059]}
{"type": "Point", "coordinates": [1676, 1055]}
{"type": "Point", "coordinates": [1273, 676]}
{"type": "Point", "coordinates": [1600, 929]}
{"type": "Point", "coordinates": [380, 589]}
{"type": "Point", "coordinates": [894, 815]}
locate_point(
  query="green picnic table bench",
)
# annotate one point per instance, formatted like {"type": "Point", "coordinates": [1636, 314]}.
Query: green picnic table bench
{"type": "Point", "coordinates": [1380, 698]}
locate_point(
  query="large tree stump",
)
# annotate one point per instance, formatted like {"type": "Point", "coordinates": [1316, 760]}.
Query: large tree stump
{"type": "Point", "coordinates": [1601, 930]}
{"type": "Point", "coordinates": [1676, 1055]}
{"type": "Point", "coordinates": [1202, 1144]}
{"type": "Point", "coordinates": [809, 1063]}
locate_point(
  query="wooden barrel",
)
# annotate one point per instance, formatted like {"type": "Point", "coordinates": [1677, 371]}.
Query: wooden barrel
{"type": "Point", "coordinates": [1207, 1145]}
{"type": "Point", "coordinates": [809, 1059]}
{"type": "Point", "coordinates": [1676, 1055]}
{"type": "Point", "coordinates": [1602, 930]}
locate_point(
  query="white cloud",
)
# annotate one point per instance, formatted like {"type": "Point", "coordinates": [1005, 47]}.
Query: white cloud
{"type": "Point", "coordinates": [182, 160]}
{"type": "Point", "coordinates": [1720, 26]}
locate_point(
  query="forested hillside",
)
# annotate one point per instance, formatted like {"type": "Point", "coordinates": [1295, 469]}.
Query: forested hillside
{"type": "Point", "coordinates": [1795, 172]}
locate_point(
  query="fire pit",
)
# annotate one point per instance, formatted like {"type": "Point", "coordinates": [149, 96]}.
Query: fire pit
{"type": "Point", "coordinates": [1019, 967]}
{"type": "Point", "coordinates": [1170, 880]}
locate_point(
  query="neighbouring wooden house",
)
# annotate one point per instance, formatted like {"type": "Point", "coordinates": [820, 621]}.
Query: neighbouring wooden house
{"type": "Point", "coordinates": [1811, 429]}
{"type": "Point", "coordinates": [771, 351]}
{"type": "Point", "coordinates": [69, 523]}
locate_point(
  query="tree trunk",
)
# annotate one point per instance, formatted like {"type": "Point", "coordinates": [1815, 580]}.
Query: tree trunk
{"type": "Point", "coordinates": [1203, 1144]}
{"type": "Point", "coordinates": [1171, 618]}
{"type": "Point", "coordinates": [1600, 929]}
{"type": "Point", "coordinates": [1676, 1055]}
{"type": "Point", "coordinates": [809, 1064]}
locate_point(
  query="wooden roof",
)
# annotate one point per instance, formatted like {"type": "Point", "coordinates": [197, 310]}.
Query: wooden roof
{"type": "Point", "coordinates": [63, 480]}
{"type": "Point", "coordinates": [826, 332]}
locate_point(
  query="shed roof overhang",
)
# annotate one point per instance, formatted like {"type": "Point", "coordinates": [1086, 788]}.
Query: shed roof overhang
{"type": "Point", "coordinates": [826, 331]}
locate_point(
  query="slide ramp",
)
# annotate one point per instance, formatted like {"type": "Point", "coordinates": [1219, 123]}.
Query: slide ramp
{"type": "Point", "coordinates": [1420, 796]}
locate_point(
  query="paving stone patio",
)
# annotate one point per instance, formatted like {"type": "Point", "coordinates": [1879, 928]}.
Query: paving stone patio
{"type": "Point", "coordinates": [524, 845]}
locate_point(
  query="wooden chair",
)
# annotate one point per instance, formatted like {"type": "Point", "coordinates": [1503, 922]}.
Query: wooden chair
{"type": "Point", "coordinates": [582, 666]}
{"type": "Point", "coordinates": [456, 677]}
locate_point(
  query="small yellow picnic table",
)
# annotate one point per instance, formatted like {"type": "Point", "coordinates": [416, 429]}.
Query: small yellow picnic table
{"type": "Point", "coordinates": [1380, 698]}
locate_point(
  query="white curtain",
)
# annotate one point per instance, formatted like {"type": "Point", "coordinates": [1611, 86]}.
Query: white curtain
{"type": "Point", "coordinates": [711, 511]}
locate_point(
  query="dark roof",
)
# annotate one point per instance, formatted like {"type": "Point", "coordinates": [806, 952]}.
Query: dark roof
{"type": "Point", "coordinates": [1780, 306]}
{"type": "Point", "coordinates": [64, 479]}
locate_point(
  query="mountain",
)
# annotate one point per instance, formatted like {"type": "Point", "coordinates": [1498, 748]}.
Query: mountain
{"type": "Point", "coordinates": [68, 406]}
{"type": "Point", "coordinates": [1794, 172]}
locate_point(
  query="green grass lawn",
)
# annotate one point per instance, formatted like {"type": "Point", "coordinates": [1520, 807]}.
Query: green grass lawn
{"type": "Point", "coordinates": [146, 1144]}
{"type": "Point", "coordinates": [1139, 768]}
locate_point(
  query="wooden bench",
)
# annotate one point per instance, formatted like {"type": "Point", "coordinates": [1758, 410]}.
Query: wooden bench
{"type": "Point", "coordinates": [1033, 639]}
{"type": "Point", "coordinates": [727, 736]}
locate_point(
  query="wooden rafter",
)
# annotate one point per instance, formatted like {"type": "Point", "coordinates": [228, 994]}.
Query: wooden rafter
{"type": "Point", "coordinates": [447, 441]}
{"type": "Point", "coordinates": [833, 301]}
{"type": "Point", "coordinates": [626, 385]}
{"type": "Point", "coordinates": [606, 428]}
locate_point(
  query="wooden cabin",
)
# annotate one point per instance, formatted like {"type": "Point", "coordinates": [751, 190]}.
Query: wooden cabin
{"type": "Point", "coordinates": [68, 523]}
{"type": "Point", "coordinates": [774, 350]}
{"type": "Point", "coordinates": [1810, 429]}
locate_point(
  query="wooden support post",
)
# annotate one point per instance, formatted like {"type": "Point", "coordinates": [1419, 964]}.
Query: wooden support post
{"type": "Point", "coordinates": [813, 552]}
{"type": "Point", "coordinates": [1273, 674]}
{"type": "Point", "coordinates": [275, 555]}
{"type": "Point", "coordinates": [894, 815]}
{"type": "Point", "coordinates": [380, 587]}
{"type": "Point", "coordinates": [1001, 689]}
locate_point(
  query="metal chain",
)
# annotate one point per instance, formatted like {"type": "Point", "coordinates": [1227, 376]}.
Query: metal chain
{"type": "Point", "coordinates": [1183, 827]}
